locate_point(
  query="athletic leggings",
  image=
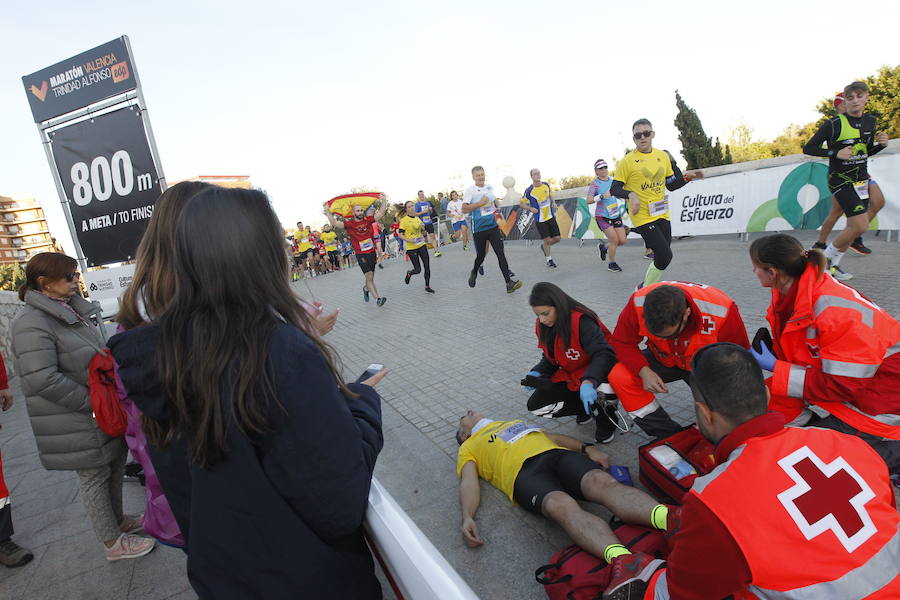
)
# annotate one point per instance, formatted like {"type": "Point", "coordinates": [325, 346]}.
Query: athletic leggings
{"type": "Point", "coordinates": [658, 237]}
{"type": "Point", "coordinates": [418, 257]}
{"type": "Point", "coordinates": [335, 259]}
{"type": "Point", "coordinates": [493, 236]}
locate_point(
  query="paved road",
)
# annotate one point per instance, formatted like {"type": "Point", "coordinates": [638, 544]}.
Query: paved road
{"type": "Point", "coordinates": [461, 348]}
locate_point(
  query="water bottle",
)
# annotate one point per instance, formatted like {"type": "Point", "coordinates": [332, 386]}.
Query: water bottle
{"type": "Point", "coordinates": [621, 474]}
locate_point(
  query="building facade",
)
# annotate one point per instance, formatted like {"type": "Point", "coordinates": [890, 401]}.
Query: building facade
{"type": "Point", "coordinates": [23, 230]}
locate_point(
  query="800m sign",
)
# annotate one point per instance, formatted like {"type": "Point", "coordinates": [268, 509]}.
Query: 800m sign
{"type": "Point", "coordinates": [110, 180]}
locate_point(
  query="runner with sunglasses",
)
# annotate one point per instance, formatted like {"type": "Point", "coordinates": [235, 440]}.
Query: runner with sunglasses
{"type": "Point", "coordinates": [676, 319]}
{"type": "Point", "coordinates": [642, 178]}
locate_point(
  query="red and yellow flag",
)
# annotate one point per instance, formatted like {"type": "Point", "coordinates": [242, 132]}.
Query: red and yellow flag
{"type": "Point", "coordinates": [343, 205]}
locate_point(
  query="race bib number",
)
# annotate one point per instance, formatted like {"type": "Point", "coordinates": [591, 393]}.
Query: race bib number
{"type": "Point", "coordinates": [366, 245]}
{"type": "Point", "coordinates": [516, 432]}
{"type": "Point", "coordinates": [426, 219]}
{"type": "Point", "coordinates": [862, 189]}
{"type": "Point", "coordinates": [612, 207]}
{"type": "Point", "coordinates": [419, 240]}
{"type": "Point", "coordinates": [487, 210]}
{"type": "Point", "coordinates": [659, 207]}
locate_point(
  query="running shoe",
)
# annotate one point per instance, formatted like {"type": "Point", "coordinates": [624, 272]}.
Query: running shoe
{"type": "Point", "coordinates": [840, 274]}
{"type": "Point", "coordinates": [381, 301]}
{"type": "Point", "coordinates": [380, 266]}
{"type": "Point", "coordinates": [648, 254]}
{"type": "Point", "coordinates": [481, 271]}
{"type": "Point", "coordinates": [472, 277]}
{"type": "Point", "coordinates": [603, 250]}
{"type": "Point", "coordinates": [860, 247]}
{"type": "Point", "coordinates": [631, 575]}
{"type": "Point", "coordinates": [551, 264]}
{"type": "Point", "coordinates": [512, 285]}
{"type": "Point", "coordinates": [437, 253]}
{"type": "Point", "coordinates": [511, 274]}
{"type": "Point", "coordinates": [614, 267]}
{"type": "Point", "coordinates": [13, 555]}
{"type": "Point", "coordinates": [465, 248]}
{"type": "Point", "coordinates": [408, 277]}
{"type": "Point", "coordinates": [365, 293]}
{"type": "Point", "coordinates": [819, 246]}
{"type": "Point", "coordinates": [429, 290]}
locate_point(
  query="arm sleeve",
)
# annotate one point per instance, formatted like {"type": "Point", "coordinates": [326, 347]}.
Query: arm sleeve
{"type": "Point", "coordinates": [626, 339]}
{"type": "Point", "coordinates": [814, 146]}
{"type": "Point", "coordinates": [322, 456]}
{"type": "Point", "coordinates": [676, 179]}
{"type": "Point", "coordinates": [618, 190]}
{"type": "Point", "coordinates": [603, 358]}
{"type": "Point", "coordinates": [37, 366]}
{"type": "Point", "coordinates": [545, 367]}
{"type": "Point", "coordinates": [875, 148]}
{"type": "Point", "coordinates": [723, 569]}
{"type": "Point", "coordinates": [733, 328]}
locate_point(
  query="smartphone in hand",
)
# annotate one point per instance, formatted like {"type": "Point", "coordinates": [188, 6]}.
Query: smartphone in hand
{"type": "Point", "coordinates": [369, 372]}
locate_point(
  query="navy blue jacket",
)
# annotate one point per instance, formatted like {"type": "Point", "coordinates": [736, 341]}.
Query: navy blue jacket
{"type": "Point", "coordinates": [281, 516]}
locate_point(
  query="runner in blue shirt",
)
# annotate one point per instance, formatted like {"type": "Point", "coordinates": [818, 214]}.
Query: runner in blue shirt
{"type": "Point", "coordinates": [424, 211]}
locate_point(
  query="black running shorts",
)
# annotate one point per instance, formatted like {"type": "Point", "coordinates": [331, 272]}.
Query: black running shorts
{"type": "Point", "coordinates": [548, 229]}
{"type": "Point", "coordinates": [366, 262]}
{"type": "Point", "coordinates": [429, 227]}
{"type": "Point", "coordinates": [551, 471]}
{"type": "Point", "coordinates": [850, 202]}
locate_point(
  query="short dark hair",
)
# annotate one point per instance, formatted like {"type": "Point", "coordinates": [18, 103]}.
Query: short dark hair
{"type": "Point", "coordinates": [857, 86]}
{"type": "Point", "coordinates": [459, 440]}
{"type": "Point", "coordinates": [727, 379]}
{"type": "Point", "coordinates": [642, 122]}
{"type": "Point", "coordinates": [664, 307]}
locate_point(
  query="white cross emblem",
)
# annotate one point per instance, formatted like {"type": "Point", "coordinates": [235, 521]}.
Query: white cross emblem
{"type": "Point", "coordinates": [573, 354]}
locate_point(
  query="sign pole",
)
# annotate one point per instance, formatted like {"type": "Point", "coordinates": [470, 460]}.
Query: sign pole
{"type": "Point", "coordinates": [63, 198]}
{"type": "Point", "coordinates": [142, 106]}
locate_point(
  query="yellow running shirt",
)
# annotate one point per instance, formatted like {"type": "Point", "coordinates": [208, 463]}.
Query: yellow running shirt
{"type": "Point", "coordinates": [328, 238]}
{"type": "Point", "coordinates": [645, 175]}
{"type": "Point", "coordinates": [414, 230]}
{"type": "Point", "coordinates": [302, 238]}
{"type": "Point", "coordinates": [498, 450]}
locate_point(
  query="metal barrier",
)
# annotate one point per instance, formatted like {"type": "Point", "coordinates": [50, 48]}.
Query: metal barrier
{"type": "Point", "coordinates": [413, 566]}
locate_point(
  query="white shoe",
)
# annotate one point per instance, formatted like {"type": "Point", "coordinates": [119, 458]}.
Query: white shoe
{"type": "Point", "coordinates": [130, 546]}
{"type": "Point", "coordinates": [839, 274]}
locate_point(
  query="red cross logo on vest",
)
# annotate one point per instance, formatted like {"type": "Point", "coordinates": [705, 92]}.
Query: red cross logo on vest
{"type": "Point", "coordinates": [708, 325]}
{"type": "Point", "coordinates": [827, 497]}
{"type": "Point", "coordinates": [573, 354]}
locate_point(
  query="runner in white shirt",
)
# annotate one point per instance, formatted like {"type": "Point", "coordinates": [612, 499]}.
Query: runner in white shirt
{"type": "Point", "coordinates": [458, 219]}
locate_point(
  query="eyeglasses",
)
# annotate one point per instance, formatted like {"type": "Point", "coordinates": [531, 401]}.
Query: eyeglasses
{"type": "Point", "coordinates": [70, 277]}
{"type": "Point", "coordinates": [642, 134]}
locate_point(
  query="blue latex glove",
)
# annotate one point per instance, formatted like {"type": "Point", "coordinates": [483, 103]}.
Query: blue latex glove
{"type": "Point", "coordinates": [533, 374]}
{"type": "Point", "coordinates": [588, 393]}
{"type": "Point", "coordinates": [765, 358]}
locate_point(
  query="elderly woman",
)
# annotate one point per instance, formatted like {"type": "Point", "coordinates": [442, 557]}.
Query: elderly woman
{"type": "Point", "coordinates": [54, 339]}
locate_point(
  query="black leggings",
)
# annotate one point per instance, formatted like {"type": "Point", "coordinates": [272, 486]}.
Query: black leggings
{"type": "Point", "coordinates": [493, 236]}
{"type": "Point", "coordinates": [658, 237]}
{"type": "Point", "coordinates": [334, 258]}
{"type": "Point", "coordinates": [419, 257]}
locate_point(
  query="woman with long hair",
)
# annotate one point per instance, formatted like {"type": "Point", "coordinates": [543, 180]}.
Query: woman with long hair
{"type": "Point", "coordinates": [265, 454]}
{"type": "Point", "coordinates": [54, 339]}
{"type": "Point", "coordinates": [831, 347]}
{"type": "Point", "coordinates": [414, 235]}
{"type": "Point", "coordinates": [576, 360]}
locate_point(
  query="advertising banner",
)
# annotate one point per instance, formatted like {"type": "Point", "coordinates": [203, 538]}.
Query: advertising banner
{"type": "Point", "coordinates": [110, 180]}
{"type": "Point", "coordinates": [76, 82]}
{"type": "Point", "coordinates": [794, 196]}
{"type": "Point", "coordinates": [106, 285]}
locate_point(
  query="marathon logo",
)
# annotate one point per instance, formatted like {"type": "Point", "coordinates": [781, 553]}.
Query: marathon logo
{"type": "Point", "coordinates": [81, 76]}
{"type": "Point", "coordinates": [67, 76]}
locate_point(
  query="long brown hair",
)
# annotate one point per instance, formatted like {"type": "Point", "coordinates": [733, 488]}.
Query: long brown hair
{"type": "Point", "coordinates": [153, 282]}
{"type": "Point", "coordinates": [49, 265]}
{"type": "Point", "coordinates": [231, 292]}
{"type": "Point", "coordinates": [545, 293]}
{"type": "Point", "coordinates": [787, 254]}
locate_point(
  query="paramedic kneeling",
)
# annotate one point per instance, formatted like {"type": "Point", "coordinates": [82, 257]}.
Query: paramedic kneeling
{"type": "Point", "coordinates": [547, 474]}
{"type": "Point", "coordinates": [788, 513]}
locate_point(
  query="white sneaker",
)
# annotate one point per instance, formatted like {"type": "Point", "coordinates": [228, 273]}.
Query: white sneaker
{"type": "Point", "coordinates": [839, 274]}
{"type": "Point", "coordinates": [130, 546]}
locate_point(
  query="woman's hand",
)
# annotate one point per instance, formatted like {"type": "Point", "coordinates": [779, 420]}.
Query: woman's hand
{"type": "Point", "coordinates": [374, 379]}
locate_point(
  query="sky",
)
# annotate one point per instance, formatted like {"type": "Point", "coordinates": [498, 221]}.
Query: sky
{"type": "Point", "coordinates": [311, 99]}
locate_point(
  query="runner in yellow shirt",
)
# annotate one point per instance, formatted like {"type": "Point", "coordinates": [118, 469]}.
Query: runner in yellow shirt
{"type": "Point", "coordinates": [413, 232]}
{"type": "Point", "coordinates": [642, 178]}
{"type": "Point", "coordinates": [329, 238]}
{"type": "Point", "coordinates": [303, 237]}
{"type": "Point", "coordinates": [546, 474]}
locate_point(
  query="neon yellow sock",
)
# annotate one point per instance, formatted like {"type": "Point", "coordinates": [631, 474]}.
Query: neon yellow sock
{"type": "Point", "coordinates": [653, 275]}
{"type": "Point", "coordinates": [614, 550]}
{"type": "Point", "coordinates": [659, 516]}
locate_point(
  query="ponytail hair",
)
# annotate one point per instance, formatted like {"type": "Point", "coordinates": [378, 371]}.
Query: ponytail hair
{"type": "Point", "coordinates": [786, 254]}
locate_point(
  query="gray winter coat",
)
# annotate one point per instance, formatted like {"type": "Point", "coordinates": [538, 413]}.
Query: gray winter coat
{"type": "Point", "coordinates": [52, 350]}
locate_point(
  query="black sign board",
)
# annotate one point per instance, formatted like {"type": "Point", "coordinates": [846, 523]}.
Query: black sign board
{"type": "Point", "coordinates": [110, 180]}
{"type": "Point", "coordinates": [76, 82]}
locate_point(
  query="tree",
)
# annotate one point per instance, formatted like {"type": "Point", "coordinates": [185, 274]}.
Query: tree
{"type": "Point", "coordinates": [884, 100]}
{"type": "Point", "coordinates": [12, 276]}
{"type": "Point", "coordinates": [696, 147]}
{"type": "Point", "coordinates": [575, 181]}
{"type": "Point", "coordinates": [742, 147]}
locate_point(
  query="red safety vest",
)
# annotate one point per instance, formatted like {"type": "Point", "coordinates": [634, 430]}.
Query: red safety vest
{"type": "Point", "coordinates": [813, 512]}
{"type": "Point", "coordinates": [709, 307]}
{"type": "Point", "coordinates": [836, 330]}
{"type": "Point", "coordinates": [573, 360]}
